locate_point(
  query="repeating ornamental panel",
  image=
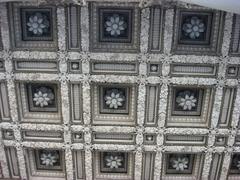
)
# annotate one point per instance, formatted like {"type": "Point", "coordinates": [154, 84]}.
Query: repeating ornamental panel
{"type": "Point", "coordinates": [189, 106]}
{"type": "Point", "coordinates": [197, 31]}
{"type": "Point", "coordinates": [39, 102]}
{"type": "Point", "coordinates": [114, 27]}
{"type": "Point", "coordinates": [33, 27]}
{"type": "Point", "coordinates": [114, 104]}
{"type": "Point", "coordinates": [182, 165]}
{"type": "Point", "coordinates": [118, 90]}
{"type": "Point", "coordinates": [47, 163]}
{"type": "Point", "coordinates": [113, 165]}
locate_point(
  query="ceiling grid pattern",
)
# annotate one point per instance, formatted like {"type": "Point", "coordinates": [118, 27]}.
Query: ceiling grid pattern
{"type": "Point", "coordinates": [142, 80]}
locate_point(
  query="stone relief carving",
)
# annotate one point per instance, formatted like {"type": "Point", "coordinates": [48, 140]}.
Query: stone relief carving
{"type": "Point", "coordinates": [159, 74]}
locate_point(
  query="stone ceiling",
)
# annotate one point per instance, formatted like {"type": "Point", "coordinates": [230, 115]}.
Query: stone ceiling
{"type": "Point", "coordinates": [118, 90]}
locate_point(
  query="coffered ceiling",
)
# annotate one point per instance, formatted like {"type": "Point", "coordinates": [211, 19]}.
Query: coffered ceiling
{"type": "Point", "coordinates": [118, 90]}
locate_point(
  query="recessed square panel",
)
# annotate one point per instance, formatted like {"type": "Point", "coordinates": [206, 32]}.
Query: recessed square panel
{"type": "Point", "coordinates": [114, 27]}
{"type": "Point", "coordinates": [178, 166]}
{"type": "Point", "coordinates": [33, 26]}
{"type": "Point", "coordinates": [232, 71]}
{"type": "Point", "coordinates": [179, 163]}
{"type": "Point", "coordinates": [114, 100]}
{"type": "Point", "coordinates": [187, 101]}
{"type": "Point", "coordinates": [36, 24]}
{"type": "Point", "coordinates": [197, 31]}
{"type": "Point", "coordinates": [48, 160]}
{"type": "Point", "coordinates": [113, 162]}
{"type": "Point", "coordinates": [221, 140]}
{"type": "Point", "coordinates": [74, 66]}
{"type": "Point", "coordinates": [154, 69]}
{"type": "Point", "coordinates": [189, 106]}
{"type": "Point", "coordinates": [77, 137]}
{"type": "Point", "coordinates": [114, 104]}
{"type": "Point", "coordinates": [150, 139]}
{"type": "Point", "coordinates": [39, 102]}
{"type": "Point", "coordinates": [195, 28]}
{"type": "Point", "coordinates": [113, 165]}
{"type": "Point", "coordinates": [45, 164]}
{"type": "Point", "coordinates": [42, 97]}
{"type": "Point", "coordinates": [8, 134]}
